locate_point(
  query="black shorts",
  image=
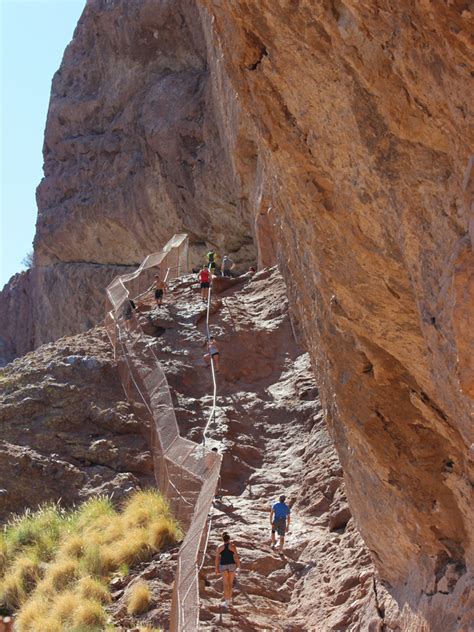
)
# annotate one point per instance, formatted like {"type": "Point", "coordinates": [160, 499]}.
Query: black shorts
{"type": "Point", "coordinates": [214, 354]}
{"type": "Point", "coordinates": [226, 273]}
{"type": "Point", "coordinates": [158, 293]}
{"type": "Point", "coordinates": [279, 526]}
{"type": "Point", "coordinates": [205, 284]}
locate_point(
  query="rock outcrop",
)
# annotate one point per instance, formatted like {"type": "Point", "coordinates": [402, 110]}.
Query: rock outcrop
{"type": "Point", "coordinates": [66, 431]}
{"type": "Point", "coordinates": [68, 434]}
{"type": "Point", "coordinates": [133, 153]}
{"type": "Point", "coordinates": [336, 135]}
{"type": "Point", "coordinates": [48, 302]}
{"type": "Point", "coordinates": [361, 115]}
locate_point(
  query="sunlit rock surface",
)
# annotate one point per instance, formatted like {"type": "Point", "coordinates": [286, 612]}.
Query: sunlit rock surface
{"type": "Point", "coordinates": [336, 137]}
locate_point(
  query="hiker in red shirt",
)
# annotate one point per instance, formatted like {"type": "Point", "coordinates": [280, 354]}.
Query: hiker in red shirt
{"type": "Point", "coordinates": [204, 278]}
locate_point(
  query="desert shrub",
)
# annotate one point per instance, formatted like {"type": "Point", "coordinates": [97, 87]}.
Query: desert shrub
{"type": "Point", "coordinates": [139, 599]}
{"type": "Point", "coordinates": [16, 587]}
{"type": "Point", "coordinates": [62, 574]}
{"type": "Point", "coordinates": [73, 547]}
{"type": "Point", "coordinates": [63, 607]}
{"type": "Point", "coordinates": [36, 534]}
{"type": "Point", "coordinates": [33, 614]}
{"type": "Point", "coordinates": [97, 560]}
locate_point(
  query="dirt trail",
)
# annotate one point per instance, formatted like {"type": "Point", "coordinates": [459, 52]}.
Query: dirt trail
{"type": "Point", "coordinates": [267, 579]}
{"type": "Point", "coordinates": [270, 430]}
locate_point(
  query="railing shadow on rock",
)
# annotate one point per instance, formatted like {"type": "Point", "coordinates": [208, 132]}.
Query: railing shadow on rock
{"type": "Point", "coordinates": [186, 472]}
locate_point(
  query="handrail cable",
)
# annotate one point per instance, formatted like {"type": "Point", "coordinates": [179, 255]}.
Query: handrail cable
{"type": "Point", "coordinates": [212, 414]}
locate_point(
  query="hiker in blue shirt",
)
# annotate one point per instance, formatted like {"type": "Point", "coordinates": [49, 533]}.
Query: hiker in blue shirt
{"type": "Point", "coordinates": [280, 521]}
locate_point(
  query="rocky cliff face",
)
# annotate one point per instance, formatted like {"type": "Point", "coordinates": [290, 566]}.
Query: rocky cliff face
{"type": "Point", "coordinates": [362, 118]}
{"type": "Point", "coordinates": [338, 134]}
{"type": "Point", "coordinates": [133, 153]}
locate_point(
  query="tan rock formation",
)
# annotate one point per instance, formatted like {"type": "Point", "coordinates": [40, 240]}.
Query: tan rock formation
{"type": "Point", "coordinates": [47, 302]}
{"type": "Point", "coordinates": [66, 431]}
{"type": "Point", "coordinates": [133, 153]}
{"type": "Point", "coordinates": [353, 122]}
{"type": "Point", "coordinates": [363, 126]}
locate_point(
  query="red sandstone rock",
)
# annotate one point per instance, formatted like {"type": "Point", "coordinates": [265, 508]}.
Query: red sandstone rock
{"type": "Point", "coordinates": [67, 432]}
{"type": "Point", "coordinates": [353, 121]}
{"type": "Point", "coordinates": [363, 127]}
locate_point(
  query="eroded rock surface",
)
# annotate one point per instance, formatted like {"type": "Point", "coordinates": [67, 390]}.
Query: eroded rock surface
{"type": "Point", "coordinates": [362, 119]}
{"type": "Point", "coordinates": [133, 153]}
{"type": "Point", "coordinates": [48, 302]}
{"type": "Point", "coordinates": [342, 131]}
{"type": "Point", "coordinates": [67, 433]}
{"type": "Point", "coordinates": [270, 428]}
{"type": "Point", "coordinates": [66, 430]}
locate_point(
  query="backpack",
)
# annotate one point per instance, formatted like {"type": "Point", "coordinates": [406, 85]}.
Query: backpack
{"type": "Point", "coordinates": [210, 256]}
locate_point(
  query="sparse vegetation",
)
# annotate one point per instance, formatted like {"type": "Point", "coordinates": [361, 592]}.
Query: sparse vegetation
{"type": "Point", "coordinates": [28, 260]}
{"type": "Point", "coordinates": [139, 599]}
{"type": "Point", "coordinates": [55, 565]}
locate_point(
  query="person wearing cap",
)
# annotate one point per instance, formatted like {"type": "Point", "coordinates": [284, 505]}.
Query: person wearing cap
{"type": "Point", "coordinates": [226, 266]}
{"type": "Point", "coordinates": [280, 521]}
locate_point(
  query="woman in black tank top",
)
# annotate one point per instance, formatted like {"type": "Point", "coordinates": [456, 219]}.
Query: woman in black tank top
{"type": "Point", "coordinates": [227, 562]}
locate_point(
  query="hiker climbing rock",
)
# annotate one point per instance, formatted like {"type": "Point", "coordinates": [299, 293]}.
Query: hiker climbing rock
{"type": "Point", "coordinates": [280, 521]}
{"type": "Point", "coordinates": [227, 562]}
{"type": "Point", "coordinates": [204, 277]}
{"type": "Point", "coordinates": [211, 261]}
{"type": "Point", "coordinates": [226, 266]}
{"type": "Point", "coordinates": [213, 353]}
{"type": "Point", "coordinates": [160, 287]}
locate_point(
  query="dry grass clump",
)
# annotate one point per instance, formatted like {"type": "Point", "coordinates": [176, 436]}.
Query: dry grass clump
{"type": "Point", "coordinates": [20, 582]}
{"type": "Point", "coordinates": [139, 599]}
{"type": "Point", "coordinates": [72, 547]}
{"type": "Point", "coordinates": [61, 575]}
{"type": "Point", "coordinates": [62, 609]}
{"type": "Point", "coordinates": [55, 565]}
{"type": "Point", "coordinates": [93, 589]}
{"type": "Point", "coordinates": [89, 615]}
{"type": "Point", "coordinates": [33, 614]}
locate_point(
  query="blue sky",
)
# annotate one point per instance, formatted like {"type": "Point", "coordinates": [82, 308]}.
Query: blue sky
{"type": "Point", "coordinates": [33, 36]}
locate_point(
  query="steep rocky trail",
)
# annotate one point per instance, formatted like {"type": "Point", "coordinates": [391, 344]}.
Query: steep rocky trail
{"type": "Point", "coordinates": [267, 580]}
{"type": "Point", "coordinates": [269, 427]}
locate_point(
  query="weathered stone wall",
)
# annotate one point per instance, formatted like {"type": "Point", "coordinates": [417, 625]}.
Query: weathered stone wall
{"type": "Point", "coordinates": [51, 301]}
{"type": "Point", "coordinates": [361, 115]}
